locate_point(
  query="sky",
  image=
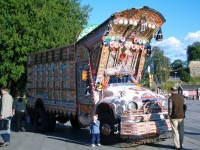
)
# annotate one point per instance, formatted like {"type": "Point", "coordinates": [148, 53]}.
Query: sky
{"type": "Point", "coordinates": [181, 29]}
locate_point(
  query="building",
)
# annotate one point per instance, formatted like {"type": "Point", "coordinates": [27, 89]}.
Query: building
{"type": "Point", "coordinates": [190, 91]}
{"type": "Point", "coordinates": [194, 67]}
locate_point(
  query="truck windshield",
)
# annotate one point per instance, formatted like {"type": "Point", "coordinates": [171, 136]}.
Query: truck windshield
{"type": "Point", "coordinates": [117, 79]}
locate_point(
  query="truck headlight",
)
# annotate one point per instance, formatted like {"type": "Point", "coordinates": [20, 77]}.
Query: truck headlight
{"type": "Point", "coordinates": [131, 106]}
{"type": "Point", "coordinates": [120, 109]}
{"type": "Point", "coordinates": [122, 102]}
{"type": "Point", "coordinates": [117, 102]}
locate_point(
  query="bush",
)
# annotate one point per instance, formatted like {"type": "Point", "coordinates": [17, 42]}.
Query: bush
{"type": "Point", "coordinates": [194, 80]}
{"type": "Point", "coordinates": [185, 76]}
{"type": "Point", "coordinates": [168, 86]}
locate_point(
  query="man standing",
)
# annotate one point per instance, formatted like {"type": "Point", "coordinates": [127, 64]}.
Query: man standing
{"type": "Point", "coordinates": [19, 107]}
{"type": "Point", "coordinates": [176, 114]}
{"type": "Point", "coordinates": [6, 113]}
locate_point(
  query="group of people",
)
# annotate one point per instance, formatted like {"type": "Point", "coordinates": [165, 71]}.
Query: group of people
{"type": "Point", "coordinates": [10, 108]}
{"type": "Point", "coordinates": [176, 113]}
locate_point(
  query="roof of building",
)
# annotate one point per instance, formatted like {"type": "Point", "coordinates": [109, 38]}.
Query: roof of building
{"type": "Point", "coordinates": [189, 87]}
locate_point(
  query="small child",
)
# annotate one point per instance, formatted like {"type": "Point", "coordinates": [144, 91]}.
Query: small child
{"type": "Point", "coordinates": [95, 131]}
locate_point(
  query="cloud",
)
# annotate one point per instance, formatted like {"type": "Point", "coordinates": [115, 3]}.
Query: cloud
{"type": "Point", "coordinates": [170, 44]}
{"type": "Point", "coordinates": [180, 54]}
{"type": "Point", "coordinates": [176, 49]}
{"type": "Point", "coordinates": [173, 48]}
{"type": "Point", "coordinates": [193, 36]}
{"type": "Point", "coordinates": [176, 55]}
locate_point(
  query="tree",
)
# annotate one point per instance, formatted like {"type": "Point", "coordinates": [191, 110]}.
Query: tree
{"type": "Point", "coordinates": [193, 52]}
{"type": "Point", "coordinates": [185, 64]}
{"type": "Point", "coordinates": [177, 64]}
{"type": "Point", "coordinates": [185, 76]}
{"type": "Point", "coordinates": [34, 25]}
{"type": "Point", "coordinates": [159, 65]}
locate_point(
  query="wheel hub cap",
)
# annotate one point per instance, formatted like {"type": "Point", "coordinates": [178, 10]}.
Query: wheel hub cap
{"type": "Point", "coordinates": [106, 129]}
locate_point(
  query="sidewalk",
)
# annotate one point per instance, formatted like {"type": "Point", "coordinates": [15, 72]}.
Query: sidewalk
{"type": "Point", "coordinates": [66, 138]}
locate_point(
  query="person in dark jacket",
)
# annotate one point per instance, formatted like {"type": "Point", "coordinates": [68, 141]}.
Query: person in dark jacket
{"type": "Point", "coordinates": [176, 112]}
{"type": "Point", "coordinates": [95, 131]}
{"type": "Point", "coordinates": [19, 107]}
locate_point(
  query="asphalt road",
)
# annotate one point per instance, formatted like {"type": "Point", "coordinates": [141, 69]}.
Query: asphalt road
{"type": "Point", "coordinates": [66, 138]}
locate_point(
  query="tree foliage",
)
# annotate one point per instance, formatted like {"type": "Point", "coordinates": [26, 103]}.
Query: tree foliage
{"type": "Point", "coordinates": [185, 76]}
{"type": "Point", "coordinates": [185, 64]}
{"type": "Point", "coordinates": [159, 65]}
{"type": "Point", "coordinates": [177, 64]}
{"type": "Point", "coordinates": [34, 25]}
{"type": "Point", "coordinates": [195, 80]}
{"type": "Point", "coordinates": [193, 52]}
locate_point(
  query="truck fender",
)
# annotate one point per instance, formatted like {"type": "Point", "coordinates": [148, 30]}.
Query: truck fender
{"type": "Point", "coordinates": [39, 103]}
{"type": "Point", "coordinates": [105, 108]}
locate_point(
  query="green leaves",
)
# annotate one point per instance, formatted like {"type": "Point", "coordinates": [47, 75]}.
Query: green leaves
{"type": "Point", "coordinates": [177, 64]}
{"type": "Point", "coordinates": [193, 52]}
{"type": "Point", "coordinates": [35, 25]}
{"type": "Point", "coordinates": [185, 76]}
{"type": "Point", "coordinates": [159, 65]}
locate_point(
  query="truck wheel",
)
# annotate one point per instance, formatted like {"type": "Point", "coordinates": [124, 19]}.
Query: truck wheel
{"type": "Point", "coordinates": [52, 122]}
{"type": "Point", "coordinates": [75, 123]}
{"type": "Point", "coordinates": [41, 120]}
{"type": "Point", "coordinates": [107, 135]}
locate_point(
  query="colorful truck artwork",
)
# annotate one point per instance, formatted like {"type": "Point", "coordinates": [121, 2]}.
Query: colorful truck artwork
{"type": "Point", "coordinates": [100, 73]}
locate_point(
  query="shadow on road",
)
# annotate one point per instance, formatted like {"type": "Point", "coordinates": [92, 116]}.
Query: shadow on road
{"type": "Point", "coordinates": [157, 145]}
{"type": "Point", "coordinates": [64, 133]}
{"type": "Point", "coordinates": [82, 136]}
{"type": "Point", "coordinates": [68, 134]}
{"type": "Point", "coordinates": [160, 145]}
{"type": "Point", "coordinates": [192, 133]}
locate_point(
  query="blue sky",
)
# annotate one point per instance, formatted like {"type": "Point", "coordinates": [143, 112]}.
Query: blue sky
{"type": "Point", "coordinates": [182, 26]}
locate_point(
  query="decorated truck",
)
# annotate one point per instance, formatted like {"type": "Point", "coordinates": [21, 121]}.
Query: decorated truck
{"type": "Point", "coordinates": [101, 73]}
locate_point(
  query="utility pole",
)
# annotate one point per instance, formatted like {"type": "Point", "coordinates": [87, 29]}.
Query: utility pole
{"type": "Point", "coordinates": [165, 64]}
{"type": "Point", "coordinates": [175, 76]}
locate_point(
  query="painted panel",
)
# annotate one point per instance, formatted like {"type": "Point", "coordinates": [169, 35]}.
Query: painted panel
{"type": "Point", "coordinates": [49, 56]}
{"type": "Point", "coordinates": [54, 80]}
{"type": "Point", "coordinates": [56, 55]}
{"type": "Point", "coordinates": [94, 58]}
{"type": "Point", "coordinates": [95, 39]}
{"type": "Point", "coordinates": [141, 64]}
{"type": "Point", "coordinates": [139, 128]}
{"type": "Point", "coordinates": [82, 53]}
{"type": "Point", "coordinates": [103, 61]}
{"type": "Point", "coordinates": [31, 59]}
{"type": "Point", "coordinates": [86, 109]}
{"type": "Point", "coordinates": [82, 85]}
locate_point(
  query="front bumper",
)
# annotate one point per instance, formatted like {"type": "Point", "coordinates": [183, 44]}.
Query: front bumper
{"type": "Point", "coordinates": [145, 130]}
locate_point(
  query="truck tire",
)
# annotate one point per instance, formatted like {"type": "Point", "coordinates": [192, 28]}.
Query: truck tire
{"type": "Point", "coordinates": [75, 123]}
{"type": "Point", "coordinates": [107, 136]}
{"type": "Point", "coordinates": [41, 120]}
{"type": "Point", "coordinates": [52, 122]}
